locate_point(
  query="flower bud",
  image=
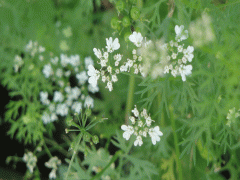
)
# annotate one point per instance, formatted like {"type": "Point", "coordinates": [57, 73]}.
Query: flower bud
{"type": "Point", "coordinates": [95, 139]}
{"type": "Point", "coordinates": [86, 137]}
{"type": "Point", "coordinates": [135, 13]}
{"type": "Point", "coordinates": [120, 5]}
{"type": "Point", "coordinates": [88, 112]}
{"type": "Point", "coordinates": [115, 23]}
{"type": "Point", "coordinates": [126, 21]}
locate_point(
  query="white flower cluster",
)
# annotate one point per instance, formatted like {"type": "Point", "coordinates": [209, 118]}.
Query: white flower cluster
{"type": "Point", "coordinates": [33, 48]}
{"type": "Point", "coordinates": [18, 62]}
{"type": "Point", "coordinates": [232, 115]}
{"type": "Point", "coordinates": [136, 61]}
{"type": "Point", "coordinates": [67, 98]}
{"type": "Point", "coordinates": [169, 57]}
{"type": "Point", "coordinates": [53, 163]}
{"type": "Point", "coordinates": [108, 71]}
{"type": "Point", "coordinates": [201, 31]}
{"type": "Point", "coordinates": [141, 127]}
{"type": "Point", "coordinates": [31, 161]}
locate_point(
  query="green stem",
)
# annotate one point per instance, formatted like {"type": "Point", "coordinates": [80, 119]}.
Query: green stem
{"type": "Point", "coordinates": [129, 97]}
{"type": "Point", "coordinates": [74, 154]}
{"type": "Point", "coordinates": [161, 115]}
{"type": "Point", "coordinates": [46, 148]}
{"type": "Point", "coordinates": [179, 165]}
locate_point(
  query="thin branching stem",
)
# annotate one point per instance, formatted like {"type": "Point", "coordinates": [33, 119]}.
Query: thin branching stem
{"type": "Point", "coordinates": [130, 97]}
{"type": "Point", "coordinates": [74, 154]}
{"type": "Point", "coordinates": [179, 165]}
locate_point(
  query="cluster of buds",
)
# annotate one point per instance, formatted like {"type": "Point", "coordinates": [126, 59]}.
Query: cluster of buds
{"type": "Point", "coordinates": [31, 161]}
{"type": "Point", "coordinates": [141, 127]}
{"type": "Point", "coordinates": [53, 163]}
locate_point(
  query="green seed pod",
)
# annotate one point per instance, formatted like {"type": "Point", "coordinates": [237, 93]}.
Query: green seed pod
{"type": "Point", "coordinates": [126, 21]}
{"type": "Point", "coordinates": [120, 5]}
{"type": "Point", "coordinates": [126, 36]}
{"type": "Point", "coordinates": [88, 112]}
{"type": "Point", "coordinates": [95, 139]}
{"type": "Point", "coordinates": [86, 137]}
{"type": "Point", "coordinates": [69, 122]}
{"type": "Point", "coordinates": [115, 23]}
{"type": "Point", "coordinates": [135, 13]}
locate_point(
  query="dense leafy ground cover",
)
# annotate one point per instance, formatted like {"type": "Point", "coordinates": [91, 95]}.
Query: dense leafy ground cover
{"type": "Point", "coordinates": [121, 89]}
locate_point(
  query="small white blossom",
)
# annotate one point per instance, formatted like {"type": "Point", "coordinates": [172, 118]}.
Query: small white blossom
{"type": "Point", "coordinates": [31, 161]}
{"type": "Point", "coordinates": [44, 98]}
{"type": "Point", "coordinates": [188, 53]}
{"type": "Point", "coordinates": [155, 134]}
{"type": "Point", "coordinates": [93, 89]}
{"type": "Point", "coordinates": [109, 85]}
{"type": "Point", "coordinates": [62, 109]}
{"type": "Point", "coordinates": [47, 70]}
{"type": "Point", "coordinates": [97, 53]}
{"type": "Point", "coordinates": [82, 77]}
{"type": "Point", "coordinates": [88, 102]}
{"type": "Point", "coordinates": [128, 131]}
{"type": "Point", "coordinates": [135, 112]}
{"type": "Point", "coordinates": [180, 34]}
{"type": "Point", "coordinates": [138, 141]}
{"type": "Point", "coordinates": [88, 61]}
{"type": "Point", "coordinates": [136, 38]}
{"type": "Point", "coordinates": [94, 75]}
{"type": "Point", "coordinates": [58, 97]}
{"type": "Point", "coordinates": [112, 45]}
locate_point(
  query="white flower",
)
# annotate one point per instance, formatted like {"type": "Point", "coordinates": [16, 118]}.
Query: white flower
{"type": "Point", "coordinates": [185, 71]}
{"type": "Point", "coordinates": [88, 102]}
{"type": "Point", "coordinates": [82, 77]}
{"type": "Point", "coordinates": [114, 78]}
{"type": "Point", "coordinates": [68, 73]}
{"type": "Point", "coordinates": [93, 89]}
{"type": "Point", "coordinates": [18, 63]}
{"type": "Point", "coordinates": [64, 60]}
{"type": "Point", "coordinates": [188, 53]}
{"type": "Point", "coordinates": [58, 97]}
{"type": "Point", "coordinates": [155, 134]}
{"type": "Point", "coordinates": [136, 38]}
{"type": "Point", "coordinates": [135, 112]}
{"type": "Point", "coordinates": [128, 131]}
{"type": "Point", "coordinates": [97, 53]}
{"type": "Point", "coordinates": [46, 118]}
{"type": "Point", "coordinates": [109, 85]}
{"type": "Point", "coordinates": [54, 60]}
{"type": "Point", "coordinates": [59, 73]}
{"type": "Point", "coordinates": [74, 60]}
{"type": "Point", "coordinates": [75, 93]}
{"type": "Point", "coordinates": [53, 117]}
{"type": "Point", "coordinates": [138, 141]}
{"type": "Point", "coordinates": [62, 109]}
{"type": "Point", "coordinates": [47, 70]}
{"type": "Point", "coordinates": [148, 121]}
{"type": "Point", "coordinates": [44, 98]}
{"type": "Point", "coordinates": [117, 57]}
{"type": "Point", "coordinates": [94, 75]}
{"type": "Point", "coordinates": [53, 163]}
{"type": "Point", "coordinates": [52, 174]}
{"type": "Point", "coordinates": [180, 34]}
{"type": "Point", "coordinates": [112, 45]}
{"type": "Point", "coordinates": [31, 161]}
{"type": "Point", "coordinates": [88, 61]}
